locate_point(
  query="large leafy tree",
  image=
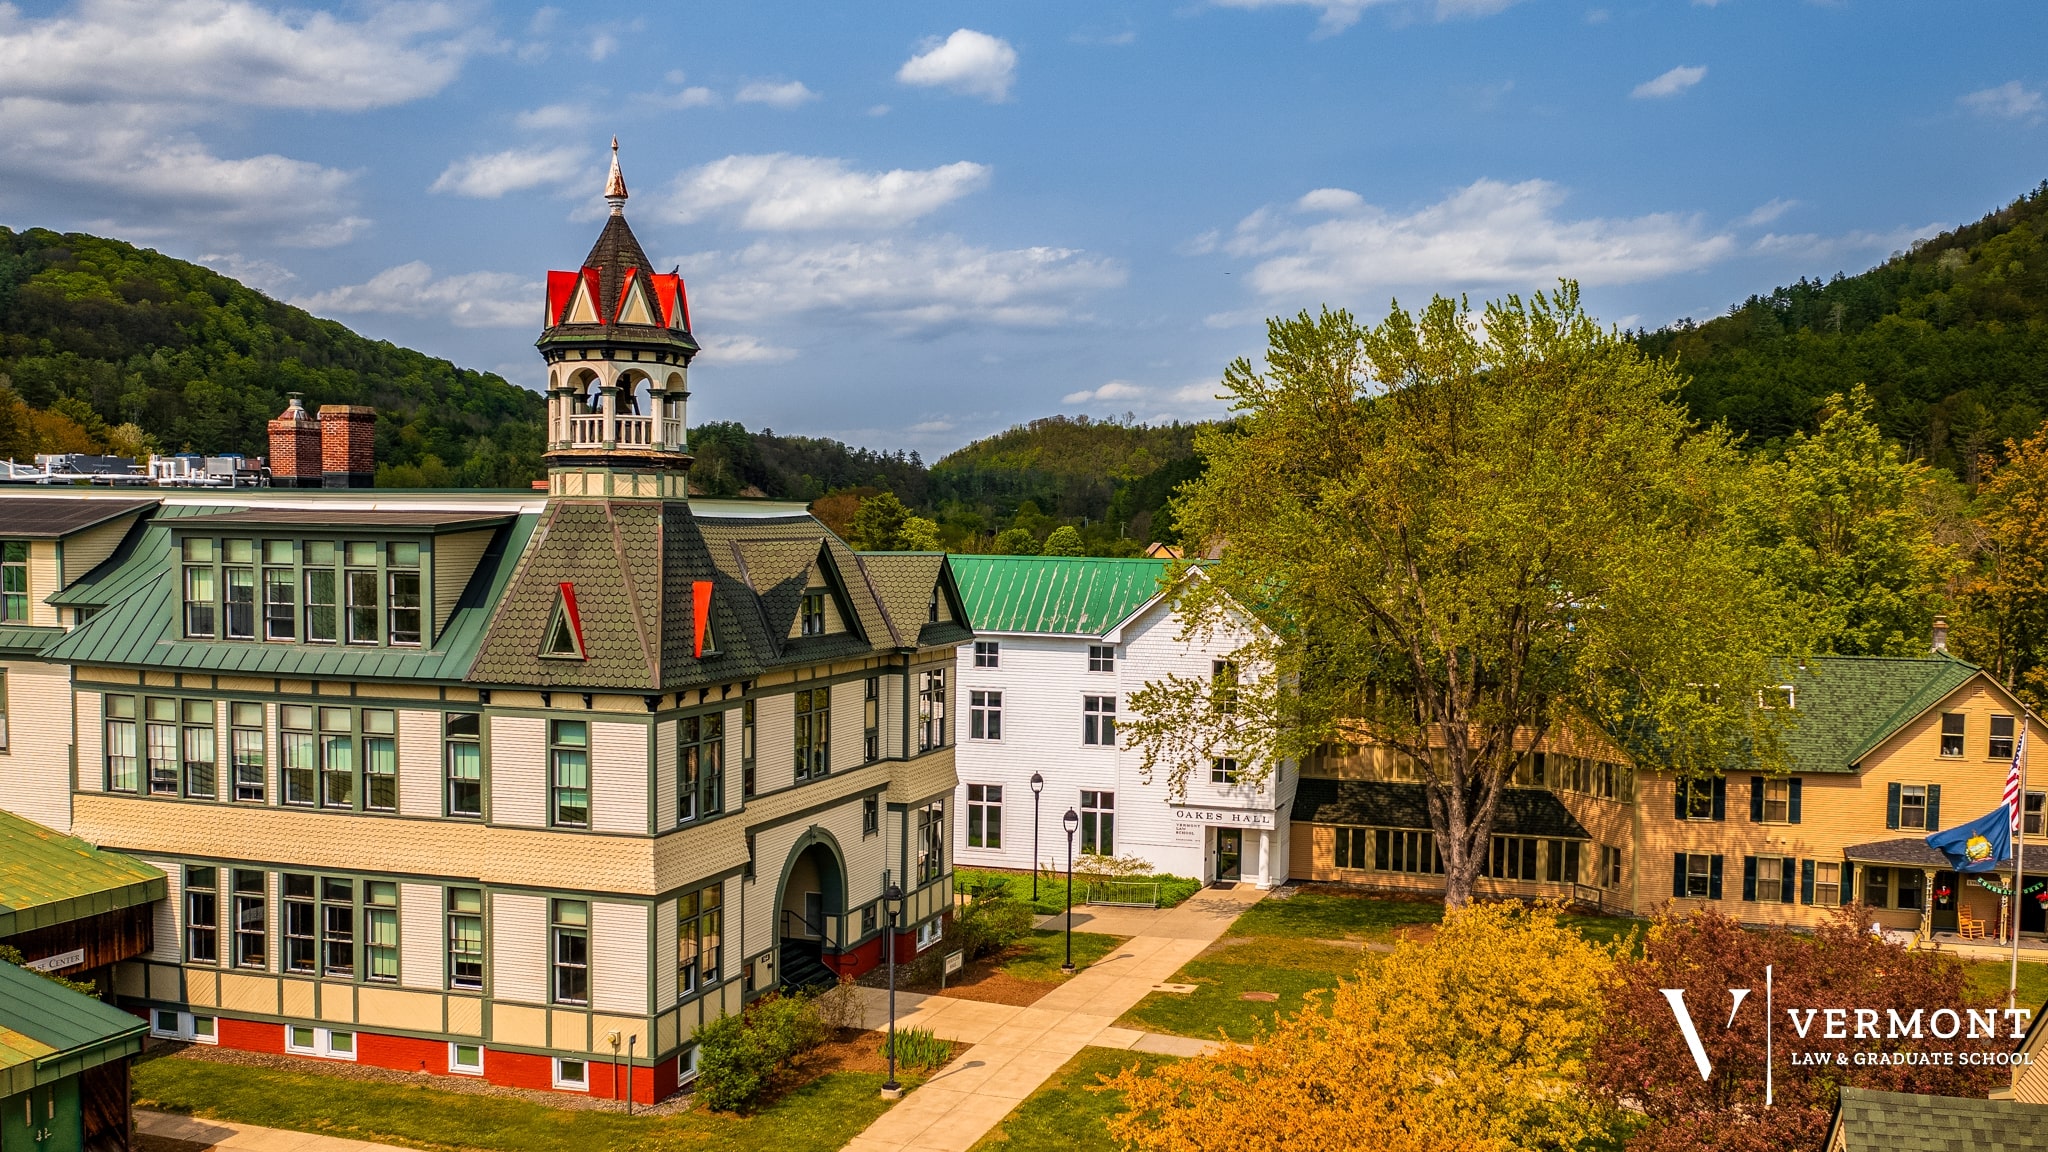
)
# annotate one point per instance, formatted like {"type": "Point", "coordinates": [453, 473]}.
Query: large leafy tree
{"type": "Point", "coordinates": [1844, 524]}
{"type": "Point", "coordinates": [1462, 535]}
{"type": "Point", "coordinates": [2004, 619]}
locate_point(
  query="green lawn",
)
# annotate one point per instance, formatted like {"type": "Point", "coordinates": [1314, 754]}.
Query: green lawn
{"type": "Point", "coordinates": [1063, 1115]}
{"type": "Point", "coordinates": [1052, 889]}
{"type": "Point", "coordinates": [1992, 976]}
{"type": "Point", "coordinates": [822, 1115]}
{"type": "Point", "coordinates": [1046, 949]}
{"type": "Point", "coordinates": [1329, 915]}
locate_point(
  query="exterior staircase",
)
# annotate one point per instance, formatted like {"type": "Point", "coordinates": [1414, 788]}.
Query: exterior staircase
{"type": "Point", "coordinates": [802, 970]}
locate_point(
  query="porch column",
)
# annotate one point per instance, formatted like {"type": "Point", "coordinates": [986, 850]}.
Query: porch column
{"type": "Point", "coordinates": [1927, 903]}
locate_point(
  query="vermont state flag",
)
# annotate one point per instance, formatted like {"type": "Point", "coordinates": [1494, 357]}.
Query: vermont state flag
{"type": "Point", "coordinates": [1979, 845]}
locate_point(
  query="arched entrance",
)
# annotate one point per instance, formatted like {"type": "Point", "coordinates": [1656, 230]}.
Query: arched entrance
{"type": "Point", "coordinates": [807, 918]}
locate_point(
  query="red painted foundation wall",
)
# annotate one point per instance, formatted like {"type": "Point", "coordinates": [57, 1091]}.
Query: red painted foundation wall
{"type": "Point", "coordinates": [868, 956]}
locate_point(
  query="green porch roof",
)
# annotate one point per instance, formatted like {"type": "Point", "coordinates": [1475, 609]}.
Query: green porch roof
{"type": "Point", "coordinates": [1845, 706]}
{"type": "Point", "coordinates": [48, 878]}
{"type": "Point", "coordinates": [1056, 595]}
{"type": "Point", "coordinates": [26, 639]}
{"type": "Point", "coordinates": [49, 1032]}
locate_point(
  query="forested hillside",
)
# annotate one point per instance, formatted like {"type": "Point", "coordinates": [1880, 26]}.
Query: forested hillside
{"type": "Point", "coordinates": [95, 334]}
{"type": "Point", "coordinates": [1951, 339]}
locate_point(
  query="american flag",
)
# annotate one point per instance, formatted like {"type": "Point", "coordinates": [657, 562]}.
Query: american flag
{"type": "Point", "coordinates": [2012, 783]}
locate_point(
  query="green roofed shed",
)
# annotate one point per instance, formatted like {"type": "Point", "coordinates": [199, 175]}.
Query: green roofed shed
{"type": "Point", "coordinates": [1056, 595]}
{"type": "Point", "coordinates": [64, 1061]}
{"type": "Point", "coordinates": [48, 878]}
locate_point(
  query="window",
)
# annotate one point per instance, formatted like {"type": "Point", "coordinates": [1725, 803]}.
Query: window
{"type": "Point", "coordinates": [984, 815]}
{"type": "Point", "coordinates": [337, 759]}
{"type": "Point", "coordinates": [301, 917]}
{"type": "Point", "coordinates": [251, 919]}
{"type": "Point", "coordinates": [929, 933]}
{"type": "Point", "coordinates": [814, 612]}
{"type": "Point", "coordinates": [312, 1041]}
{"type": "Point", "coordinates": [1405, 850]}
{"type": "Point", "coordinates": [202, 914]}
{"type": "Point", "coordinates": [1699, 876]}
{"type": "Point", "coordinates": [280, 594]}
{"type": "Point", "coordinates": [380, 760]}
{"type": "Point", "coordinates": [746, 748]}
{"type": "Point", "coordinates": [199, 589]}
{"type": "Point", "coordinates": [569, 768]}
{"type": "Point", "coordinates": [14, 581]}
{"type": "Point", "coordinates": [462, 745]}
{"type": "Point", "coordinates": [1827, 883]}
{"type": "Point", "coordinates": [699, 923]}
{"type": "Point", "coordinates": [380, 930]}
{"type": "Point", "coordinates": [1223, 685]}
{"type": "Point", "coordinates": [1777, 801]}
{"type": "Point", "coordinates": [322, 617]}
{"type": "Point", "coordinates": [988, 654]}
{"type": "Point", "coordinates": [404, 578]}
{"type": "Point", "coordinates": [1352, 850]}
{"type": "Point", "coordinates": [931, 842]}
{"type": "Point", "coordinates": [2000, 747]}
{"type": "Point", "coordinates": [573, 1075]}
{"type": "Point", "coordinates": [1877, 887]}
{"type": "Point", "coordinates": [1951, 733]}
{"type": "Point", "coordinates": [241, 599]}
{"type": "Point", "coordinates": [701, 764]}
{"type": "Point", "coordinates": [813, 732]}
{"type": "Point", "coordinates": [2030, 823]}
{"type": "Point", "coordinates": [1908, 886]}
{"type": "Point", "coordinates": [245, 750]}
{"type": "Point", "coordinates": [466, 939]}
{"type": "Point", "coordinates": [1562, 862]}
{"type": "Point", "coordinates": [1699, 799]}
{"type": "Point", "coordinates": [1098, 720]}
{"type": "Point", "coordinates": [337, 926]}
{"type": "Point", "coordinates": [1224, 770]}
{"type": "Point", "coordinates": [1913, 805]}
{"type": "Point", "coordinates": [871, 720]}
{"type": "Point", "coordinates": [3, 709]}
{"type": "Point", "coordinates": [1771, 882]}
{"type": "Point", "coordinates": [1102, 658]}
{"type": "Point", "coordinates": [571, 931]}
{"type": "Point", "coordinates": [160, 740]}
{"type": "Point", "coordinates": [1098, 823]}
{"type": "Point", "coordinates": [465, 1059]}
{"type": "Point", "coordinates": [1512, 858]}
{"type": "Point", "coordinates": [1610, 867]}
{"type": "Point", "coordinates": [299, 752]}
{"type": "Point", "coordinates": [197, 743]}
{"type": "Point", "coordinates": [123, 770]}
{"type": "Point", "coordinates": [984, 715]}
{"type": "Point", "coordinates": [361, 585]}
{"type": "Point", "coordinates": [871, 816]}
{"type": "Point", "coordinates": [931, 709]}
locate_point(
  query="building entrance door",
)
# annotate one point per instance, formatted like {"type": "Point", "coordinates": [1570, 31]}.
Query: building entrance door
{"type": "Point", "coordinates": [1229, 855]}
{"type": "Point", "coordinates": [2033, 918]}
{"type": "Point", "coordinates": [1945, 906]}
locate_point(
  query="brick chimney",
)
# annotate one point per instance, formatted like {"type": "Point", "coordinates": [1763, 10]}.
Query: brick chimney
{"type": "Point", "coordinates": [294, 447]}
{"type": "Point", "coordinates": [348, 446]}
{"type": "Point", "coordinates": [1940, 640]}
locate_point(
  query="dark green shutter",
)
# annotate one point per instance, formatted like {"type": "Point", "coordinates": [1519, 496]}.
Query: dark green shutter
{"type": "Point", "coordinates": [1749, 878]}
{"type": "Point", "coordinates": [1848, 895]}
{"type": "Point", "coordinates": [1806, 881]}
{"type": "Point", "coordinates": [1756, 799]}
{"type": "Point", "coordinates": [1714, 879]}
{"type": "Point", "coordinates": [1891, 806]}
{"type": "Point", "coordinates": [1785, 883]}
{"type": "Point", "coordinates": [1678, 786]}
{"type": "Point", "coordinates": [1792, 809]}
{"type": "Point", "coordinates": [1933, 807]}
{"type": "Point", "coordinates": [1678, 874]}
{"type": "Point", "coordinates": [1720, 797]}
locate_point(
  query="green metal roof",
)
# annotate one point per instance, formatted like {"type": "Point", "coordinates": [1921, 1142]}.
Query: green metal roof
{"type": "Point", "coordinates": [1059, 595]}
{"type": "Point", "coordinates": [49, 1032]}
{"type": "Point", "coordinates": [48, 878]}
{"type": "Point", "coordinates": [1845, 706]}
{"type": "Point", "coordinates": [26, 639]}
{"type": "Point", "coordinates": [137, 623]}
{"type": "Point", "coordinates": [1866, 1121]}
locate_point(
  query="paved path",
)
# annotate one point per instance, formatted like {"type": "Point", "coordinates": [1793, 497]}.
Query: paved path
{"type": "Point", "coordinates": [1014, 1050]}
{"type": "Point", "coordinates": [244, 1137]}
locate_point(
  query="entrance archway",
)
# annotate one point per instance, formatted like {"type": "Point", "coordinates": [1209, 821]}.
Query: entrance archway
{"type": "Point", "coordinates": [807, 915]}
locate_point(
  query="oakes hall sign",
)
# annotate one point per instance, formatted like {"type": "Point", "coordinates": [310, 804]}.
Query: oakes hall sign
{"type": "Point", "coordinates": [1228, 817]}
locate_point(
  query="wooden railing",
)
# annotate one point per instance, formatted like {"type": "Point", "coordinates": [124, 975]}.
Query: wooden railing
{"type": "Point", "coordinates": [628, 431]}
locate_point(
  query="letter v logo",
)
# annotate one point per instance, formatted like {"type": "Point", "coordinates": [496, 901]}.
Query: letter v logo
{"type": "Point", "coordinates": [1676, 998]}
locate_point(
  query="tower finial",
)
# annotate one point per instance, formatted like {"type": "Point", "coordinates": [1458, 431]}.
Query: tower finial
{"type": "Point", "coordinates": [615, 184]}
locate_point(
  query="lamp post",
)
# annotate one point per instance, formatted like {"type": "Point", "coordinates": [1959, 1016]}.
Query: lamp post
{"type": "Point", "coordinates": [1072, 823]}
{"type": "Point", "coordinates": [893, 896]}
{"type": "Point", "coordinates": [1037, 786]}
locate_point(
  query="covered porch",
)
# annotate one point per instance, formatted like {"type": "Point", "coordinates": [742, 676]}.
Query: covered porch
{"type": "Point", "coordinates": [1962, 912]}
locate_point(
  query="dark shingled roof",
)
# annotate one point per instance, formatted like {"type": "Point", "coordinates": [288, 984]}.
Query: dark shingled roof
{"type": "Point", "coordinates": [1914, 852]}
{"type": "Point", "coordinates": [616, 250]}
{"type": "Point", "coordinates": [903, 582]}
{"type": "Point", "coordinates": [1868, 1121]}
{"type": "Point", "coordinates": [1844, 706]}
{"type": "Point", "coordinates": [1382, 804]}
{"type": "Point", "coordinates": [52, 517]}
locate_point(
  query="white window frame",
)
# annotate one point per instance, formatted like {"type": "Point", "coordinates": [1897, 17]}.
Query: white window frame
{"type": "Point", "coordinates": [1777, 884]}
{"type": "Point", "coordinates": [983, 706]}
{"type": "Point", "coordinates": [455, 1065]}
{"type": "Point", "coordinates": [323, 1043]}
{"type": "Point", "coordinates": [567, 1085]}
{"type": "Point", "coordinates": [988, 654]}
{"type": "Point", "coordinates": [686, 1065]}
{"type": "Point", "coordinates": [1102, 658]}
{"type": "Point", "coordinates": [1906, 790]}
{"type": "Point", "coordinates": [184, 1026]}
{"type": "Point", "coordinates": [929, 932]}
{"type": "Point", "coordinates": [1095, 710]}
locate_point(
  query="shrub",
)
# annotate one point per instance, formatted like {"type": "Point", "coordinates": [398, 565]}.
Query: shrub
{"type": "Point", "coordinates": [918, 1048]}
{"type": "Point", "coordinates": [841, 1007]}
{"type": "Point", "coordinates": [739, 1056]}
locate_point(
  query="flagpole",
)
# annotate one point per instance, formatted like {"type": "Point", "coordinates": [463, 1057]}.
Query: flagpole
{"type": "Point", "coordinates": [2019, 859]}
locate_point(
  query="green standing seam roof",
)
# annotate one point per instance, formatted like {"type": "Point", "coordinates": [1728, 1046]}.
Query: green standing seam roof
{"type": "Point", "coordinates": [1845, 706]}
{"type": "Point", "coordinates": [49, 1032]}
{"type": "Point", "coordinates": [1904, 1122]}
{"type": "Point", "coordinates": [49, 878]}
{"type": "Point", "coordinates": [26, 639]}
{"type": "Point", "coordinates": [1060, 595]}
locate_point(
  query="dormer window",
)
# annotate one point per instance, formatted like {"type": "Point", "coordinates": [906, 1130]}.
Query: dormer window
{"type": "Point", "coordinates": [563, 639]}
{"type": "Point", "coordinates": [814, 612]}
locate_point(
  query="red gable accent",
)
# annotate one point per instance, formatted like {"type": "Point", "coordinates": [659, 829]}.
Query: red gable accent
{"type": "Point", "coordinates": [625, 290]}
{"type": "Point", "coordinates": [700, 607]}
{"type": "Point", "coordinates": [665, 295]}
{"type": "Point", "coordinates": [575, 618]}
{"type": "Point", "coordinates": [560, 286]}
{"type": "Point", "coordinates": [590, 277]}
{"type": "Point", "coordinates": [683, 300]}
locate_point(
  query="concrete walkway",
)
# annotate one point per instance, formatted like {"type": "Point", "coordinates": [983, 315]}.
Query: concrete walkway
{"type": "Point", "coordinates": [1013, 1050]}
{"type": "Point", "coordinates": [201, 1134]}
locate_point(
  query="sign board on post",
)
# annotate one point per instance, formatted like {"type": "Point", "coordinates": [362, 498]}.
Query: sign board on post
{"type": "Point", "coordinates": [953, 962]}
{"type": "Point", "coordinates": [1187, 816]}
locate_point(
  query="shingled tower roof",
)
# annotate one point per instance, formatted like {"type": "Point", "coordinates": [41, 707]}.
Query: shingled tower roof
{"type": "Point", "coordinates": [617, 298]}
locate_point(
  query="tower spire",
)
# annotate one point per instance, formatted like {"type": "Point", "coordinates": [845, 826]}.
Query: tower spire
{"type": "Point", "coordinates": [615, 184]}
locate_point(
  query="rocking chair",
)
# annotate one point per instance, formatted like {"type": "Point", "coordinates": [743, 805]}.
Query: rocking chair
{"type": "Point", "coordinates": [1967, 926]}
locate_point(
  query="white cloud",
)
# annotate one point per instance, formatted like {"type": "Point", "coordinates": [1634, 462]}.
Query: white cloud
{"type": "Point", "coordinates": [922, 284]}
{"type": "Point", "coordinates": [740, 348]}
{"type": "Point", "coordinates": [878, 110]}
{"type": "Point", "coordinates": [489, 176]}
{"type": "Point", "coordinates": [781, 192]}
{"type": "Point", "coordinates": [694, 98]}
{"type": "Point", "coordinates": [466, 300]}
{"type": "Point", "coordinates": [1489, 233]}
{"type": "Point", "coordinates": [1765, 213]}
{"type": "Point", "coordinates": [1157, 403]}
{"type": "Point", "coordinates": [2008, 101]}
{"type": "Point", "coordinates": [602, 45]}
{"type": "Point", "coordinates": [1670, 83]}
{"type": "Point", "coordinates": [266, 276]}
{"type": "Point", "coordinates": [549, 117]}
{"type": "Point", "coordinates": [967, 62]}
{"type": "Point", "coordinates": [1811, 246]}
{"type": "Point", "coordinates": [1334, 16]}
{"type": "Point", "coordinates": [1114, 390]}
{"type": "Point", "coordinates": [790, 95]}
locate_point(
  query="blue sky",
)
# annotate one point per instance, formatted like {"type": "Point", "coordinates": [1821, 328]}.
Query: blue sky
{"type": "Point", "coordinates": [909, 225]}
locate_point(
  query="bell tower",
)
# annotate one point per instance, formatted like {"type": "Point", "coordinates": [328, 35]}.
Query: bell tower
{"type": "Point", "coordinates": [616, 339]}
